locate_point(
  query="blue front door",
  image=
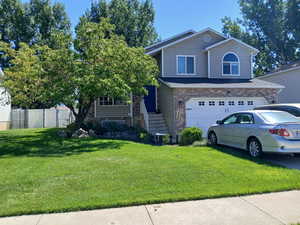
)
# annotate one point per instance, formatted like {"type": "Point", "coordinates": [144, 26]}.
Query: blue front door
{"type": "Point", "coordinates": [150, 99]}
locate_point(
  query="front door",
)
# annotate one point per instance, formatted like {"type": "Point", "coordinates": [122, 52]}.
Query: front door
{"type": "Point", "coordinates": [150, 99]}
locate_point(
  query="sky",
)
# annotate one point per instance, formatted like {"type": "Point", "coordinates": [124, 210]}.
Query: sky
{"type": "Point", "coordinates": [174, 16]}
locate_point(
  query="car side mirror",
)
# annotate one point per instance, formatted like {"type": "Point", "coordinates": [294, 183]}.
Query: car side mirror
{"type": "Point", "coordinates": [219, 122]}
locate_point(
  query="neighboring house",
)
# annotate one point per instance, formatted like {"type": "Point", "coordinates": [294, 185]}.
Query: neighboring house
{"type": "Point", "coordinates": [288, 76]}
{"type": "Point", "coordinates": [204, 76]}
{"type": "Point", "coordinates": [5, 108]}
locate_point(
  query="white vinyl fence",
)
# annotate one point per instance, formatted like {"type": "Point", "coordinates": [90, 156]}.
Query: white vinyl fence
{"type": "Point", "coordinates": [40, 118]}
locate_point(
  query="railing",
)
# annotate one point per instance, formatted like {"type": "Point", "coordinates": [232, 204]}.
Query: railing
{"type": "Point", "coordinates": [144, 112]}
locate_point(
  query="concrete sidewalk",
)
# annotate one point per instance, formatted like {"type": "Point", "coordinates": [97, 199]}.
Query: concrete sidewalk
{"type": "Point", "coordinates": [266, 209]}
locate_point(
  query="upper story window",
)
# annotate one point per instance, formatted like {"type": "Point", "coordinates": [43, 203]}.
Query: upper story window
{"type": "Point", "coordinates": [186, 65]}
{"type": "Point", "coordinates": [231, 64]}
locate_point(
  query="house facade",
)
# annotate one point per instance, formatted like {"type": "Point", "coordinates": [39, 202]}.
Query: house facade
{"type": "Point", "coordinates": [204, 76]}
{"type": "Point", "coordinates": [288, 76]}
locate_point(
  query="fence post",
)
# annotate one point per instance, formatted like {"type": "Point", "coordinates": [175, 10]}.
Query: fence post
{"type": "Point", "coordinates": [44, 119]}
{"type": "Point", "coordinates": [57, 118]}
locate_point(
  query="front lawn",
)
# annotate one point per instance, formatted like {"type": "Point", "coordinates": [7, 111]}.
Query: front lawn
{"type": "Point", "coordinates": [43, 173]}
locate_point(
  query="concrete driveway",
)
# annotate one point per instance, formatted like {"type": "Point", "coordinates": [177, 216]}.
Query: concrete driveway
{"type": "Point", "coordinates": [292, 162]}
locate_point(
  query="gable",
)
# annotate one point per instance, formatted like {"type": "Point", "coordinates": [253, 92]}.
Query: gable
{"type": "Point", "coordinates": [164, 44]}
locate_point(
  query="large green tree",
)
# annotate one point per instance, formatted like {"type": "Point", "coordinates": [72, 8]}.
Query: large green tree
{"type": "Point", "coordinates": [133, 19]}
{"type": "Point", "coordinates": [32, 22]}
{"type": "Point", "coordinates": [96, 63]}
{"type": "Point", "coordinates": [271, 26]}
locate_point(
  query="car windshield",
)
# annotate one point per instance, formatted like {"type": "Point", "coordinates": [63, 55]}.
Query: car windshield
{"type": "Point", "coordinates": [279, 117]}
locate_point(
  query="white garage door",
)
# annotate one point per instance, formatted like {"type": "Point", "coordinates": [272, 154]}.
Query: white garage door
{"type": "Point", "coordinates": [203, 112]}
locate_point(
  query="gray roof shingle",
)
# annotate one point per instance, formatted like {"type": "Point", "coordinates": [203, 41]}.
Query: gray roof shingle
{"type": "Point", "coordinates": [175, 82]}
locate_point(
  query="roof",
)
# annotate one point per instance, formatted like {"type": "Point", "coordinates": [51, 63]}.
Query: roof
{"type": "Point", "coordinates": [169, 40]}
{"type": "Point", "coordinates": [231, 39]}
{"type": "Point", "coordinates": [174, 82]}
{"type": "Point", "coordinates": [284, 68]}
{"type": "Point", "coordinates": [178, 38]}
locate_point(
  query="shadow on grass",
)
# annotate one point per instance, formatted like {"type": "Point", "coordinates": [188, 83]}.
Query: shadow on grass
{"type": "Point", "coordinates": [263, 160]}
{"type": "Point", "coordinates": [46, 143]}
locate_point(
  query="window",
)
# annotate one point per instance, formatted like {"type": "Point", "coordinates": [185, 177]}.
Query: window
{"type": "Point", "coordinates": [241, 103]}
{"type": "Point", "coordinates": [231, 119]}
{"type": "Point", "coordinates": [245, 118]}
{"type": "Point", "coordinates": [201, 103]}
{"type": "Point", "coordinates": [186, 65]}
{"type": "Point", "coordinates": [221, 103]}
{"type": "Point", "coordinates": [110, 101]}
{"type": "Point", "coordinates": [231, 64]}
{"type": "Point", "coordinates": [211, 103]}
{"type": "Point", "coordinates": [231, 103]}
{"type": "Point", "coordinates": [279, 117]}
{"type": "Point", "coordinates": [250, 103]}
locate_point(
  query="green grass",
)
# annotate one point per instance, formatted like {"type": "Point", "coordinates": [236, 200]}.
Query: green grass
{"type": "Point", "coordinates": [42, 173]}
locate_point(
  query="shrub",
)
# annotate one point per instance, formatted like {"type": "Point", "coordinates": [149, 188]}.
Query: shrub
{"type": "Point", "coordinates": [145, 137]}
{"type": "Point", "coordinates": [72, 127]}
{"type": "Point", "coordinates": [114, 126]}
{"type": "Point", "coordinates": [189, 135]}
{"type": "Point", "coordinates": [166, 140]}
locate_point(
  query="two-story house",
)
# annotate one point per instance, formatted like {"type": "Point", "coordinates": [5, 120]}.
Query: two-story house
{"type": "Point", "coordinates": [204, 76]}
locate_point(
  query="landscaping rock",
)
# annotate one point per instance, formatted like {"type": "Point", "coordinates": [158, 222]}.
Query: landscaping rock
{"type": "Point", "coordinates": [62, 134]}
{"type": "Point", "coordinates": [92, 133]}
{"type": "Point", "coordinates": [80, 133]}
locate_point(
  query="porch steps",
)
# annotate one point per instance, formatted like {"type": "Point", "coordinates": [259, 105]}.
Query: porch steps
{"type": "Point", "coordinates": [157, 124]}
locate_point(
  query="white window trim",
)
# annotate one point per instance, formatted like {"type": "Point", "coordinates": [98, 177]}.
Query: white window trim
{"type": "Point", "coordinates": [239, 65]}
{"type": "Point", "coordinates": [185, 74]}
{"type": "Point", "coordinates": [113, 105]}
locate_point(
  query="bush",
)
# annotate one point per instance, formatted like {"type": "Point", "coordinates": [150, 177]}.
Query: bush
{"type": "Point", "coordinates": [114, 126]}
{"type": "Point", "coordinates": [166, 140]}
{"type": "Point", "coordinates": [189, 135]}
{"type": "Point", "coordinates": [145, 137]}
{"type": "Point", "coordinates": [72, 127]}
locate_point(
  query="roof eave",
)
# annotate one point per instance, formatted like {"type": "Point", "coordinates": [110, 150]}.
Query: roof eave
{"type": "Point", "coordinates": [185, 38]}
{"type": "Point", "coordinates": [231, 39]}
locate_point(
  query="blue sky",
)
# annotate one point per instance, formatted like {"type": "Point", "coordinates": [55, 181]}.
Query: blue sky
{"type": "Point", "coordinates": [174, 16]}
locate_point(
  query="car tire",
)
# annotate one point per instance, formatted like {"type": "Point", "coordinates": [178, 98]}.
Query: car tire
{"type": "Point", "coordinates": [254, 148]}
{"type": "Point", "coordinates": [212, 138]}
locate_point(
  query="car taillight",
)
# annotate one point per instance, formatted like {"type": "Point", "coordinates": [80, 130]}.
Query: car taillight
{"type": "Point", "coordinates": [280, 132]}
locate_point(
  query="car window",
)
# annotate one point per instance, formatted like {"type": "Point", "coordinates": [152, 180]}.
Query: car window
{"type": "Point", "coordinates": [279, 117]}
{"type": "Point", "coordinates": [245, 118]}
{"type": "Point", "coordinates": [292, 110]}
{"type": "Point", "coordinates": [231, 119]}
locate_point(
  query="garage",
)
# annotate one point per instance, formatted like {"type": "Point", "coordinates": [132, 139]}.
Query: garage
{"type": "Point", "coordinates": [203, 112]}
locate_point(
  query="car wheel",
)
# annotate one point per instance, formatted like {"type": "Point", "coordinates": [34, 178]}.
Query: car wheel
{"type": "Point", "coordinates": [254, 148]}
{"type": "Point", "coordinates": [212, 138]}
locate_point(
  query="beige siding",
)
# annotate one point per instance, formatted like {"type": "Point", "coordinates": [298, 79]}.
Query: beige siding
{"type": "Point", "coordinates": [192, 46]}
{"type": "Point", "coordinates": [112, 111]}
{"type": "Point", "coordinates": [166, 105]}
{"type": "Point", "coordinates": [291, 81]}
{"type": "Point", "coordinates": [216, 58]}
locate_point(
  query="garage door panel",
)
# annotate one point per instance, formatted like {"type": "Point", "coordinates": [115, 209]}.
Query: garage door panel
{"type": "Point", "coordinates": [204, 112]}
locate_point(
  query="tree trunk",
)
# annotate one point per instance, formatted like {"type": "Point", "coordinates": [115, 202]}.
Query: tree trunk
{"type": "Point", "coordinates": [83, 110]}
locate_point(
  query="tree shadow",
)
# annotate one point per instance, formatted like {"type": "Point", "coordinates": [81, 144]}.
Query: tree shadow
{"type": "Point", "coordinates": [46, 143]}
{"type": "Point", "coordinates": [236, 152]}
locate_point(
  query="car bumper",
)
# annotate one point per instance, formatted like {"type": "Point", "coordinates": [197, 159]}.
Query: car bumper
{"type": "Point", "coordinates": [284, 147]}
